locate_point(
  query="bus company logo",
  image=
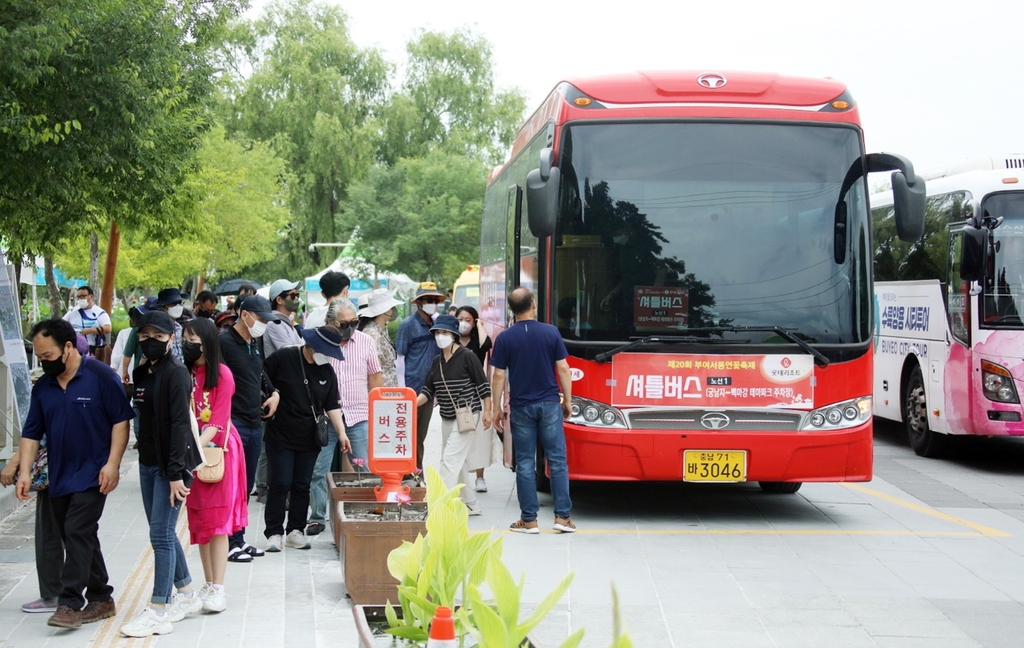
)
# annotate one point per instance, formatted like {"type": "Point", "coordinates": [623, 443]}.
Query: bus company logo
{"type": "Point", "coordinates": [577, 374]}
{"type": "Point", "coordinates": [712, 81]}
{"type": "Point", "coordinates": [786, 363]}
{"type": "Point", "coordinates": [715, 421]}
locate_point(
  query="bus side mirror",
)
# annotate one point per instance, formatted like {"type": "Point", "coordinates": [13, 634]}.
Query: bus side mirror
{"type": "Point", "coordinates": [908, 203]}
{"type": "Point", "coordinates": [972, 254]}
{"type": "Point", "coordinates": [542, 195]}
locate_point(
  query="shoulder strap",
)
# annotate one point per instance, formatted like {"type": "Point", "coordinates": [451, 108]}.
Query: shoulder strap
{"type": "Point", "coordinates": [305, 381]}
{"type": "Point", "coordinates": [440, 367]}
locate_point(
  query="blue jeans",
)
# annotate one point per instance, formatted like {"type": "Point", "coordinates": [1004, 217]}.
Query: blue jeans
{"type": "Point", "coordinates": [357, 435]}
{"type": "Point", "coordinates": [170, 566]}
{"type": "Point", "coordinates": [252, 443]}
{"type": "Point", "coordinates": [533, 423]}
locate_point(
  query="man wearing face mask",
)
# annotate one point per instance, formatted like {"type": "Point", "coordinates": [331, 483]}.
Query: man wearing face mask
{"type": "Point", "coordinates": [89, 319]}
{"type": "Point", "coordinates": [416, 350]}
{"type": "Point", "coordinates": [284, 299]}
{"type": "Point", "coordinates": [79, 405]}
{"type": "Point", "coordinates": [255, 396]}
{"type": "Point", "coordinates": [357, 374]}
{"type": "Point", "coordinates": [205, 305]}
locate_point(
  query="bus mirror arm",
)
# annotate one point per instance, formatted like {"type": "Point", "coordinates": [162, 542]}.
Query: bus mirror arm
{"type": "Point", "coordinates": [542, 186]}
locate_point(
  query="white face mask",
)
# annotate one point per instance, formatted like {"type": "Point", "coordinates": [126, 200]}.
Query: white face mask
{"type": "Point", "coordinates": [465, 328]}
{"type": "Point", "coordinates": [257, 329]}
{"type": "Point", "coordinates": [82, 303]}
{"type": "Point", "coordinates": [321, 359]}
{"type": "Point", "coordinates": [429, 309]}
{"type": "Point", "coordinates": [175, 311]}
{"type": "Point", "coordinates": [443, 340]}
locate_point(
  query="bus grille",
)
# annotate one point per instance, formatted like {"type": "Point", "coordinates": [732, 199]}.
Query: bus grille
{"type": "Point", "coordinates": [738, 420]}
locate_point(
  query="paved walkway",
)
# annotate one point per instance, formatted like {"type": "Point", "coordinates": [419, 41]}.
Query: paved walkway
{"type": "Point", "coordinates": [833, 565]}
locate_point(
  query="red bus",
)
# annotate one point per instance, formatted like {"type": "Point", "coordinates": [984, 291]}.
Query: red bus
{"type": "Point", "coordinates": [702, 241]}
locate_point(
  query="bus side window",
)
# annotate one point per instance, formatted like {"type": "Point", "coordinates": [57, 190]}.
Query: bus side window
{"type": "Point", "coordinates": [958, 292]}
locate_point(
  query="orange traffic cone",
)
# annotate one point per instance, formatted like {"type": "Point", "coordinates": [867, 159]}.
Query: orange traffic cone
{"type": "Point", "coordinates": [442, 629]}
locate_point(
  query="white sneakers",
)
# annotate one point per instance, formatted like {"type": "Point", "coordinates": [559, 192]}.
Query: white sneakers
{"type": "Point", "coordinates": [214, 600]}
{"type": "Point", "coordinates": [147, 623]}
{"type": "Point", "coordinates": [296, 540]}
{"type": "Point", "coordinates": [182, 605]}
{"type": "Point", "coordinates": [474, 509]}
{"type": "Point", "coordinates": [481, 485]}
{"type": "Point", "coordinates": [274, 544]}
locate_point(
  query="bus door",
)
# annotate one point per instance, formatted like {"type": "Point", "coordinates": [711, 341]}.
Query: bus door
{"type": "Point", "coordinates": [513, 227]}
{"type": "Point", "coordinates": [957, 370]}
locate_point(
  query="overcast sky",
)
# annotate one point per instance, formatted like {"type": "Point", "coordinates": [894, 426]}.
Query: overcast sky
{"type": "Point", "coordinates": [935, 80]}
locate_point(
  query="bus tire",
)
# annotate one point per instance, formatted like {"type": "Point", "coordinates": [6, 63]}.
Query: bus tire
{"type": "Point", "coordinates": [781, 488]}
{"type": "Point", "coordinates": [924, 441]}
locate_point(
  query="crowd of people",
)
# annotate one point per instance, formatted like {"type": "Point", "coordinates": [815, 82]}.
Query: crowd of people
{"type": "Point", "coordinates": [234, 404]}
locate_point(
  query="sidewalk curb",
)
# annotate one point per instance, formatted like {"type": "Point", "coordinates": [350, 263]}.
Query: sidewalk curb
{"type": "Point", "coordinates": [8, 502]}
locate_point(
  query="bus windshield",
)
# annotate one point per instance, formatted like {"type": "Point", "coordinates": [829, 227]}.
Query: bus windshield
{"type": "Point", "coordinates": [672, 226]}
{"type": "Point", "coordinates": [1004, 282]}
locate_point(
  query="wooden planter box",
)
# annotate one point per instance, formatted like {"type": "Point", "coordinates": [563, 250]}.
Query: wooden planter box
{"type": "Point", "coordinates": [345, 487]}
{"type": "Point", "coordinates": [368, 616]}
{"type": "Point", "coordinates": [364, 546]}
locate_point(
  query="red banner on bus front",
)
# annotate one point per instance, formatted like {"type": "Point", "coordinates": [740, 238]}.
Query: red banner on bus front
{"type": "Point", "coordinates": [677, 380]}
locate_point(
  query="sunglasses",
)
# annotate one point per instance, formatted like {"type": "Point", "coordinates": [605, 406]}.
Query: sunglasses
{"type": "Point", "coordinates": [430, 300]}
{"type": "Point", "coordinates": [291, 295]}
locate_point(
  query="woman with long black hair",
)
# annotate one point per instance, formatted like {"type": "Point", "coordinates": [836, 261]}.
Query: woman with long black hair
{"type": "Point", "coordinates": [215, 510]}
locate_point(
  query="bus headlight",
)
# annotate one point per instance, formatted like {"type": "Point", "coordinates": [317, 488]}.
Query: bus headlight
{"type": "Point", "coordinates": [584, 411]}
{"type": "Point", "coordinates": [997, 383]}
{"type": "Point", "coordinates": [838, 416]}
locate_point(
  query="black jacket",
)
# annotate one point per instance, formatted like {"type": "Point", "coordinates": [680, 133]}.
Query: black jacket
{"type": "Point", "coordinates": [176, 450]}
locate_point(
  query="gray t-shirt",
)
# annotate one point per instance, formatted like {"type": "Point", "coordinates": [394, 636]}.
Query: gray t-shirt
{"type": "Point", "coordinates": [278, 336]}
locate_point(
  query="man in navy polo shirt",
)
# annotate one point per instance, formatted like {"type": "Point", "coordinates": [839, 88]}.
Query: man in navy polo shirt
{"type": "Point", "coordinates": [416, 350]}
{"type": "Point", "coordinates": [81, 408]}
{"type": "Point", "coordinates": [534, 356]}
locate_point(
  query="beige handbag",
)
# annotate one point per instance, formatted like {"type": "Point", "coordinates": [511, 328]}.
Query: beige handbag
{"type": "Point", "coordinates": [465, 420]}
{"type": "Point", "coordinates": [212, 469]}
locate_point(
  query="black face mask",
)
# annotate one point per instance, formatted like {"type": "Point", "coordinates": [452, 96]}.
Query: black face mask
{"type": "Point", "coordinates": [53, 368]}
{"type": "Point", "coordinates": [347, 329]}
{"type": "Point", "coordinates": [191, 351]}
{"type": "Point", "coordinates": [153, 349]}
{"type": "Point", "coordinates": [208, 314]}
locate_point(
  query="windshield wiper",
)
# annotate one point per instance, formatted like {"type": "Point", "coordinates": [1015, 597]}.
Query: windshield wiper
{"type": "Point", "coordinates": [661, 339]}
{"type": "Point", "coordinates": [788, 334]}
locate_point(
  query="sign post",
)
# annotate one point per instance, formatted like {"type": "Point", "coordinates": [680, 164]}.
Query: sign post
{"type": "Point", "coordinates": [392, 432]}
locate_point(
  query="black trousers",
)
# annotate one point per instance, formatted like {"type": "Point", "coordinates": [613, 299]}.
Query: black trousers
{"type": "Point", "coordinates": [287, 471]}
{"type": "Point", "coordinates": [49, 548]}
{"type": "Point", "coordinates": [422, 424]}
{"type": "Point", "coordinates": [78, 519]}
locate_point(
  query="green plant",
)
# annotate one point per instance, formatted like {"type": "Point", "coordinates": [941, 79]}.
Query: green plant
{"type": "Point", "coordinates": [437, 568]}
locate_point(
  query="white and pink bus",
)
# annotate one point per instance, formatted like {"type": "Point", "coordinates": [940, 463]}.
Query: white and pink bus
{"type": "Point", "coordinates": [949, 340]}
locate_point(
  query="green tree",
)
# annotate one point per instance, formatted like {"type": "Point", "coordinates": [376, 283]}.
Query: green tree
{"type": "Point", "coordinates": [420, 217]}
{"type": "Point", "coordinates": [312, 93]}
{"type": "Point", "coordinates": [449, 100]}
{"type": "Point", "coordinates": [102, 106]}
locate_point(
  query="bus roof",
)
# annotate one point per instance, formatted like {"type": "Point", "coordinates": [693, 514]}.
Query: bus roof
{"type": "Point", "coordinates": [693, 93]}
{"type": "Point", "coordinates": [979, 175]}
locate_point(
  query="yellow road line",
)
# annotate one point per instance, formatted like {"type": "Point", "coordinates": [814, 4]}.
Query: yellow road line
{"type": "Point", "coordinates": [927, 510]}
{"type": "Point", "coordinates": [764, 532]}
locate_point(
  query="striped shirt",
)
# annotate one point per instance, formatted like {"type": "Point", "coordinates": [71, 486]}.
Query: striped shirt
{"type": "Point", "coordinates": [359, 364]}
{"type": "Point", "coordinates": [463, 381]}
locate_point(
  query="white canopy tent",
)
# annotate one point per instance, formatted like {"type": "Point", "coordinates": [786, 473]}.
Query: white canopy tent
{"type": "Point", "coordinates": [363, 280]}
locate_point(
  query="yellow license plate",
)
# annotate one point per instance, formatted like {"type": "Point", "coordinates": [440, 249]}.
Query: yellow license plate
{"type": "Point", "coordinates": [715, 465]}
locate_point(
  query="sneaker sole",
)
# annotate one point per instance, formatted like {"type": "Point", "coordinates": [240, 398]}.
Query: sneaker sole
{"type": "Point", "coordinates": [533, 531]}
{"type": "Point", "coordinates": [564, 529]}
{"type": "Point", "coordinates": [58, 624]}
{"type": "Point", "coordinates": [214, 608]}
{"type": "Point", "coordinates": [272, 549]}
{"type": "Point", "coordinates": [157, 630]}
{"type": "Point", "coordinates": [39, 610]}
{"type": "Point", "coordinates": [197, 605]}
{"type": "Point", "coordinates": [301, 547]}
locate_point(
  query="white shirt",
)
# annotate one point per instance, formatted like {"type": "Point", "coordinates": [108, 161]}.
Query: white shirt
{"type": "Point", "coordinates": [316, 318]}
{"type": "Point", "coordinates": [94, 317]}
{"type": "Point", "coordinates": [117, 353]}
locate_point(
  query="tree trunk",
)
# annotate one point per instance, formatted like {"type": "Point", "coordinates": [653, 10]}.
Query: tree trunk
{"type": "Point", "coordinates": [94, 265]}
{"type": "Point", "coordinates": [52, 291]}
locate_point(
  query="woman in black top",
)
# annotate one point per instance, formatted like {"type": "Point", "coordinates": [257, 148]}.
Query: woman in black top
{"type": "Point", "coordinates": [456, 379]}
{"type": "Point", "coordinates": [290, 436]}
{"type": "Point", "coordinates": [167, 457]}
{"type": "Point", "coordinates": [473, 336]}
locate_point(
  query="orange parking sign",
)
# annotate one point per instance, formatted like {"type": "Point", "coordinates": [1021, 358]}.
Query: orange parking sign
{"type": "Point", "coordinates": [392, 442]}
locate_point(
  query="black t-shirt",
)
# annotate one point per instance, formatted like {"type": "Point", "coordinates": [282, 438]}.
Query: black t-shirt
{"type": "Point", "coordinates": [245, 360]}
{"type": "Point", "coordinates": [474, 345]}
{"type": "Point", "coordinates": [293, 425]}
{"type": "Point", "coordinates": [144, 401]}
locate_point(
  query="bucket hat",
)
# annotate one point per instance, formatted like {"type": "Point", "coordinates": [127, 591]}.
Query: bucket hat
{"type": "Point", "coordinates": [324, 340]}
{"type": "Point", "coordinates": [427, 289]}
{"type": "Point", "coordinates": [379, 302]}
{"type": "Point", "coordinates": [447, 323]}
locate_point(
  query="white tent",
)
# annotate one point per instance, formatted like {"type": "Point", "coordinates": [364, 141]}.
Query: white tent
{"type": "Point", "coordinates": [363, 280]}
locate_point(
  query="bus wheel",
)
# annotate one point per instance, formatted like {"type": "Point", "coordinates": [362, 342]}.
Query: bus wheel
{"type": "Point", "coordinates": [923, 440]}
{"type": "Point", "coordinates": [780, 487]}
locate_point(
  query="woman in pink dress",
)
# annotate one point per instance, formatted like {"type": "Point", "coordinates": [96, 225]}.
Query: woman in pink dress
{"type": "Point", "coordinates": [214, 510]}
